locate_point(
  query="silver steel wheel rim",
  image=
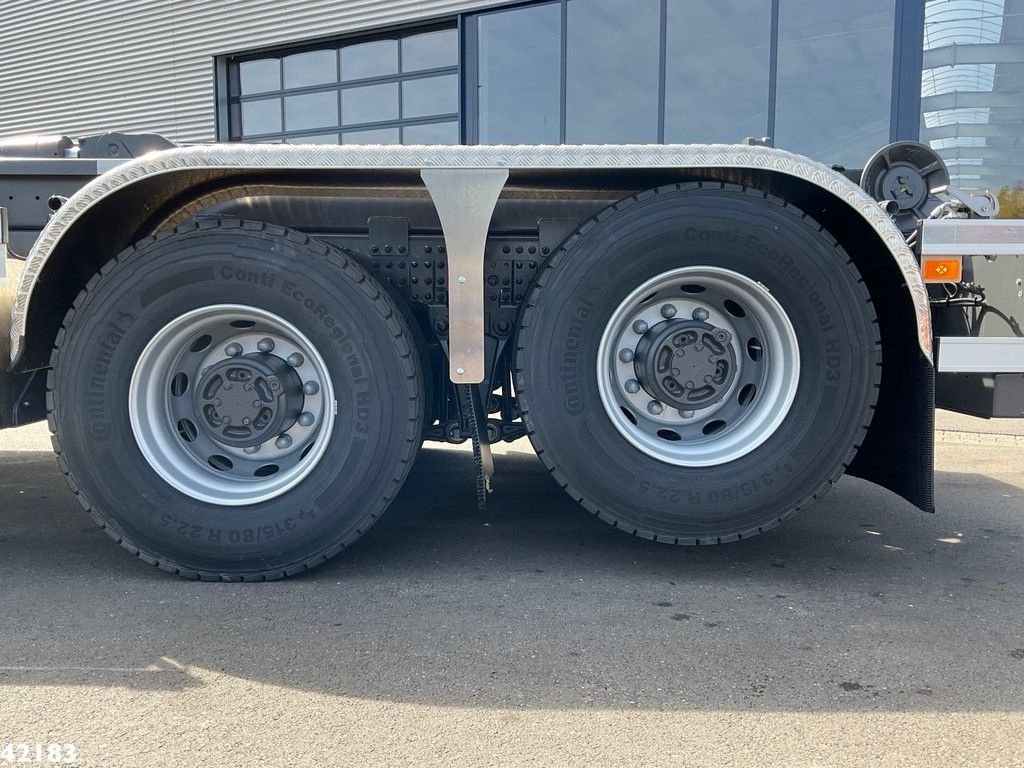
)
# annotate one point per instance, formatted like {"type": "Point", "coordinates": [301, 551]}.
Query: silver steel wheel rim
{"type": "Point", "coordinates": [755, 394]}
{"type": "Point", "coordinates": [187, 354]}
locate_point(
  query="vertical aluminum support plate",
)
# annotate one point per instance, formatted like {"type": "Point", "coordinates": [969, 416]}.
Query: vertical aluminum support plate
{"type": "Point", "coordinates": [465, 200]}
{"type": "Point", "coordinates": [3, 252]}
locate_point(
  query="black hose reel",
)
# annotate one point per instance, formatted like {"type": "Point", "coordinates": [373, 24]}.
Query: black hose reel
{"type": "Point", "coordinates": [905, 177]}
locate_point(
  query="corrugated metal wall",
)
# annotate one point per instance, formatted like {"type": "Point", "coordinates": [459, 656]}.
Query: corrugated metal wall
{"type": "Point", "coordinates": [78, 67]}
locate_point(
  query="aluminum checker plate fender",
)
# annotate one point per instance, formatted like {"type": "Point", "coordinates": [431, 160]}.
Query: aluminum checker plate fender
{"type": "Point", "coordinates": [414, 159]}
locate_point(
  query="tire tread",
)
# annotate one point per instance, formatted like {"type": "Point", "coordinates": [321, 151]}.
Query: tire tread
{"type": "Point", "coordinates": [530, 307]}
{"type": "Point", "coordinates": [354, 272]}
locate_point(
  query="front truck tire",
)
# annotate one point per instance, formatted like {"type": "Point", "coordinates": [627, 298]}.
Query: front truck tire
{"type": "Point", "coordinates": [698, 363]}
{"type": "Point", "coordinates": [235, 401]}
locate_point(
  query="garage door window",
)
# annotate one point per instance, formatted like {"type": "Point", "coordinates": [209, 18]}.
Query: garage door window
{"type": "Point", "coordinates": [401, 88]}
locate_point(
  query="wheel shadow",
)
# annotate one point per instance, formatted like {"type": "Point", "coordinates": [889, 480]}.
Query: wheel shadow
{"type": "Point", "coordinates": [859, 603]}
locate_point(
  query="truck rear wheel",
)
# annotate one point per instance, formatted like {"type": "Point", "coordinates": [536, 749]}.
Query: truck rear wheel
{"type": "Point", "coordinates": [698, 363]}
{"type": "Point", "coordinates": [235, 401]}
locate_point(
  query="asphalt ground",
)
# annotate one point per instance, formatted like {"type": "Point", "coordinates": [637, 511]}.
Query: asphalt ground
{"type": "Point", "coordinates": [861, 633]}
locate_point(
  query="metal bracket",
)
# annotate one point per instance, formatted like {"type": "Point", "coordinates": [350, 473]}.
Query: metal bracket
{"type": "Point", "coordinates": [552, 232]}
{"type": "Point", "coordinates": [980, 354]}
{"type": "Point", "coordinates": [465, 200]}
{"type": "Point", "coordinates": [985, 205]}
{"type": "Point", "coordinates": [388, 237]}
{"type": "Point", "coordinates": [972, 237]}
{"type": "Point", "coordinates": [4, 238]}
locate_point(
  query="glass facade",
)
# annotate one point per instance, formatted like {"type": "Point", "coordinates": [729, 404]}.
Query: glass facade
{"type": "Point", "coordinates": [734, 47]}
{"type": "Point", "coordinates": [972, 94]}
{"type": "Point", "coordinates": [830, 79]}
{"type": "Point", "coordinates": [608, 72]}
{"type": "Point", "coordinates": [611, 71]}
{"type": "Point", "coordinates": [519, 85]}
{"type": "Point", "coordinates": [834, 89]}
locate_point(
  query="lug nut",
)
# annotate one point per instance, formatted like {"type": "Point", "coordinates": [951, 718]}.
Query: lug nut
{"type": "Point", "coordinates": [700, 314]}
{"type": "Point", "coordinates": [626, 355]}
{"type": "Point", "coordinates": [668, 311]}
{"type": "Point", "coordinates": [295, 360]}
{"type": "Point", "coordinates": [655, 408]}
{"type": "Point", "coordinates": [685, 413]}
{"type": "Point", "coordinates": [632, 386]}
{"type": "Point", "coordinates": [640, 326]}
{"type": "Point", "coordinates": [306, 419]}
{"type": "Point", "coordinates": [251, 449]}
{"type": "Point", "coordinates": [265, 345]}
{"type": "Point", "coordinates": [310, 388]}
{"type": "Point", "coordinates": [284, 441]}
{"type": "Point", "coordinates": [233, 350]}
{"type": "Point", "coordinates": [246, 421]}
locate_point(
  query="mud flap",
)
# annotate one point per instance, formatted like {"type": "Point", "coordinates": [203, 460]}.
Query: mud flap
{"type": "Point", "coordinates": [21, 394]}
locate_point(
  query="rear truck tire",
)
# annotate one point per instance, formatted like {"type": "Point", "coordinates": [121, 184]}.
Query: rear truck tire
{"type": "Point", "coordinates": [235, 401]}
{"type": "Point", "coordinates": [698, 363]}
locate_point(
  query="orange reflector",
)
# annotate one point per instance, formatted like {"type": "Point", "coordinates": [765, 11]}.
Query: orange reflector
{"type": "Point", "coordinates": [942, 269]}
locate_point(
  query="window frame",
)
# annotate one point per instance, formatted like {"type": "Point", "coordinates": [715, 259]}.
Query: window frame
{"type": "Point", "coordinates": [230, 98]}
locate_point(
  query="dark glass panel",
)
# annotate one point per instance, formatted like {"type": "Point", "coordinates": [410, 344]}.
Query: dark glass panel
{"type": "Point", "coordinates": [716, 83]}
{"type": "Point", "coordinates": [311, 68]}
{"type": "Point", "coordinates": [520, 75]}
{"type": "Point", "coordinates": [376, 59]}
{"type": "Point", "coordinates": [372, 136]}
{"type": "Point", "coordinates": [427, 96]}
{"type": "Point", "coordinates": [263, 116]}
{"type": "Point", "coordinates": [430, 50]}
{"type": "Point", "coordinates": [612, 71]}
{"type": "Point", "coordinates": [433, 133]}
{"type": "Point", "coordinates": [369, 104]}
{"type": "Point", "coordinates": [259, 76]}
{"type": "Point", "coordinates": [835, 78]}
{"type": "Point", "coordinates": [972, 95]}
{"type": "Point", "coordinates": [311, 110]}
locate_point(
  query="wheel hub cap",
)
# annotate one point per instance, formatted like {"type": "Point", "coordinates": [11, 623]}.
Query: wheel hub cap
{"type": "Point", "coordinates": [686, 363]}
{"type": "Point", "coordinates": [244, 401]}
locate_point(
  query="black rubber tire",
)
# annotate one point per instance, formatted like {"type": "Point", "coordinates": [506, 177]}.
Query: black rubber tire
{"type": "Point", "coordinates": [366, 345]}
{"type": "Point", "coordinates": [644, 236]}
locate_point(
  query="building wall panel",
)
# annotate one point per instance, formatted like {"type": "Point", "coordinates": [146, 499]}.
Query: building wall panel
{"type": "Point", "coordinates": [148, 65]}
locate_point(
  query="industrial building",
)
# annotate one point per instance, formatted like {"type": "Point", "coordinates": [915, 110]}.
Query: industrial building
{"type": "Point", "coordinates": [828, 78]}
